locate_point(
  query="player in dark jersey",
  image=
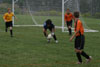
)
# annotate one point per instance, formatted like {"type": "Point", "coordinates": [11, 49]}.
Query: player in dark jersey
{"type": "Point", "coordinates": [49, 25]}
{"type": "Point", "coordinates": [79, 39]}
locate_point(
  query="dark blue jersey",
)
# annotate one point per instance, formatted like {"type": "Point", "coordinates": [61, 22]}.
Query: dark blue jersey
{"type": "Point", "coordinates": [48, 27]}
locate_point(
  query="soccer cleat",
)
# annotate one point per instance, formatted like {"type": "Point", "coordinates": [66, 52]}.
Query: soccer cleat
{"type": "Point", "coordinates": [88, 60]}
{"type": "Point", "coordinates": [79, 63]}
{"type": "Point", "coordinates": [56, 41]}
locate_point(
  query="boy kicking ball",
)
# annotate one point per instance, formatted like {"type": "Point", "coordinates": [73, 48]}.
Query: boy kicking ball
{"type": "Point", "coordinates": [79, 39]}
{"type": "Point", "coordinates": [49, 25]}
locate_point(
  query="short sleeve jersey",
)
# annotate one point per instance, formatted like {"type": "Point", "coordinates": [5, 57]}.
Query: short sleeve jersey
{"type": "Point", "coordinates": [79, 27]}
{"type": "Point", "coordinates": [8, 17]}
{"type": "Point", "coordinates": [50, 27]}
{"type": "Point", "coordinates": [68, 17]}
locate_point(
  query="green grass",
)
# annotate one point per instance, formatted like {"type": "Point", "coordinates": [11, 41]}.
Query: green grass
{"type": "Point", "coordinates": [39, 19]}
{"type": "Point", "coordinates": [29, 48]}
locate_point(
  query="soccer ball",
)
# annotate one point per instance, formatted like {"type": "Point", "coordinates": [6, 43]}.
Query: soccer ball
{"type": "Point", "coordinates": [49, 36]}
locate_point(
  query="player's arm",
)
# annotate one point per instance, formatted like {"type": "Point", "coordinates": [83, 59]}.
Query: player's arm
{"type": "Point", "coordinates": [77, 31]}
{"type": "Point", "coordinates": [4, 17]}
{"type": "Point", "coordinates": [53, 29]}
{"type": "Point", "coordinates": [65, 18]}
{"type": "Point", "coordinates": [45, 32]}
{"type": "Point", "coordinates": [14, 16]}
{"type": "Point", "coordinates": [73, 35]}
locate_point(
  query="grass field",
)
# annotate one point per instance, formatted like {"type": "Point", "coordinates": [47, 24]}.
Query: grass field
{"type": "Point", "coordinates": [29, 48]}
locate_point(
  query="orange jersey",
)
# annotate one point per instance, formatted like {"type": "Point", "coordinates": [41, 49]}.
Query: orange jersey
{"type": "Point", "coordinates": [8, 17]}
{"type": "Point", "coordinates": [79, 27]}
{"type": "Point", "coordinates": [68, 17]}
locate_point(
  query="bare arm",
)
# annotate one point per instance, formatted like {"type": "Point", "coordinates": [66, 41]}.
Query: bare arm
{"type": "Point", "coordinates": [4, 18]}
{"type": "Point", "coordinates": [45, 32]}
{"type": "Point", "coordinates": [73, 35]}
{"type": "Point", "coordinates": [15, 17]}
{"type": "Point", "coordinates": [53, 30]}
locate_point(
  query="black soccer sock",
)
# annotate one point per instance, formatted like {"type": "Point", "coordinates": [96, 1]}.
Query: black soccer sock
{"type": "Point", "coordinates": [45, 34]}
{"type": "Point", "coordinates": [70, 31]}
{"type": "Point", "coordinates": [85, 55]}
{"type": "Point", "coordinates": [11, 33]}
{"type": "Point", "coordinates": [54, 36]}
{"type": "Point", "coordinates": [79, 57]}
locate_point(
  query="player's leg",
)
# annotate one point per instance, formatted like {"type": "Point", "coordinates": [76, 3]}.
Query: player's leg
{"type": "Point", "coordinates": [84, 54]}
{"type": "Point", "coordinates": [53, 34]}
{"type": "Point", "coordinates": [6, 27]}
{"type": "Point", "coordinates": [82, 47]}
{"type": "Point", "coordinates": [70, 30]}
{"type": "Point", "coordinates": [45, 32]}
{"type": "Point", "coordinates": [78, 56]}
{"type": "Point", "coordinates": [79, 53]}
{"type": "Point", "coordinates": [79, 48]}
{"type": "Point", "coordinates": [77, 44]}
{"type": "Point", "coordinates": [70, 27]}
{"type": "Point", "coordinates": [11, 29]}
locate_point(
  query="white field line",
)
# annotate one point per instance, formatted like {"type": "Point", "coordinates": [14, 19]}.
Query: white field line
{"type": "Point", "coordinates": [58, 27]}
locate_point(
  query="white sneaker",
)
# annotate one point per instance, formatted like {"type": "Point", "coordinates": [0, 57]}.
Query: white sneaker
{"type": "Point", "coordinates": [56, 41]}
{"type": "Point", "coordinates": [88, 60]}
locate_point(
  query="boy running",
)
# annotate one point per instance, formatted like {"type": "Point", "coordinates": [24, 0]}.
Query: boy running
{"type": "Point", "coordinates": [8, 21]}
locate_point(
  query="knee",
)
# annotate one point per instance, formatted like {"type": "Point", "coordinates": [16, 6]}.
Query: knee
{"type": "Point", "coordinates": [78, 51]}
{"type": "Point", "coordinates": [44, 31]}
{"type": "Point", "coordinates": [69, 27]}
{"type": "Point", "coordinates": [10, 28]}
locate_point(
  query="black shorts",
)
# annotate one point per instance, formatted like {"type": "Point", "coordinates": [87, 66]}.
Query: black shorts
{"type": "Point", "coordinates": [9, 24]}
{"type": "Point", "coordinates": [79, 42]}
{"type": "Point", "coordinates": [69, 23]}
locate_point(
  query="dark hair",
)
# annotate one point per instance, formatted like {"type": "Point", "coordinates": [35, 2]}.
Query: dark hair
{"type": "Point", "coordinates": [49, 22]}
{"type": "Point", "coordinates": [76, 14]}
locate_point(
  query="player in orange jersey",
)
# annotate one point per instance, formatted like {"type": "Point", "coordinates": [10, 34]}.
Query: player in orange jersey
{"type": "Point", "coordinates": [79, 39]}
{"type": "Point", "coordinates": [68, 20]}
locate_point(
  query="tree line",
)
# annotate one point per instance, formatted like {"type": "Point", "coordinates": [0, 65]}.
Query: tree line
{"type": "Point", "coordinates": [91, 7]}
